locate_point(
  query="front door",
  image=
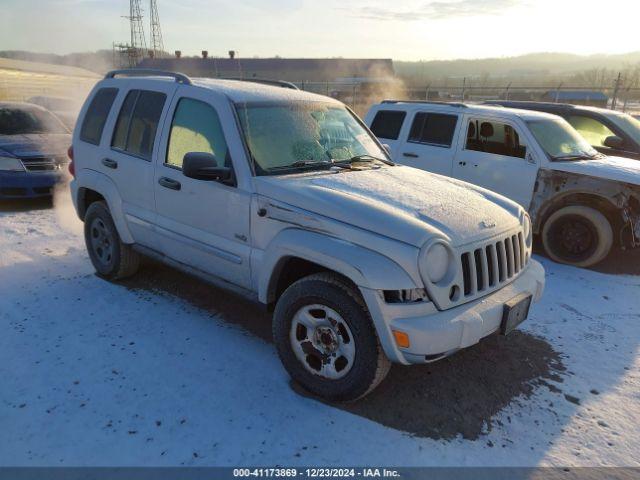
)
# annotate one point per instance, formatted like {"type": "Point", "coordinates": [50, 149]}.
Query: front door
{"type": "Point", "coordinates": [493, 154]}
{"type": "Point", "coordinates": [596, 131]}
{"type": "Point", "coordinates": [201, 223]}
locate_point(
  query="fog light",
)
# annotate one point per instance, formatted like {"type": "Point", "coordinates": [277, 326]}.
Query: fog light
{"type": "Point", "coordinates": [402, 339]}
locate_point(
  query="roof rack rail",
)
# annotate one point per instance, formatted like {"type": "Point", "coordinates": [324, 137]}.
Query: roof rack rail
{"type": "Point", "coordinates": [149, 72]}
{"type": "Point", "coordinates": [429, 102]}
{"type": "Point", "coordinates": [265, 81]}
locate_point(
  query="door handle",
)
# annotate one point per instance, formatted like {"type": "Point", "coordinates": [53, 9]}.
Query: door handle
{"type": "Point", "coordinates": [462, 163]}
{"type": "Point", "coordinates": [169, 183]}
{"type": "Point", "coordinates": [410, 155]}
{"type": "Point", "coordinates": [107, 162]}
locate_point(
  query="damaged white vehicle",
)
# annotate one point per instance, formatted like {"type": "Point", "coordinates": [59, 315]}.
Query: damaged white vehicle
{"type": "Point", "coordinates": [286, 197]}
{"type": "Point", "coordinates": [582, 202]}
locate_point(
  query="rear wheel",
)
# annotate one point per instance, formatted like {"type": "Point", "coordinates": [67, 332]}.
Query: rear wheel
{"type": "Point", "coordinates": [577, 235]}
{"type": "Point", "coordinates": [111, 258]}
{"type": "Point", "coordinates": [326, 340]}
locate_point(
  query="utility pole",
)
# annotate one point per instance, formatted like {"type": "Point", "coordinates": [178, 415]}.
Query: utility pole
{"type": "Point", "coordinates": [558, 92]}
{"type": "Point", "coordinates": [616, 89]}
{"type": "Point", "coordinates": [155, 33]}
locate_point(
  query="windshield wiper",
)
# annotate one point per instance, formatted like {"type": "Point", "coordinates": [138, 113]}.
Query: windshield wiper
{"type": "Point", "coordinates": [366, 158]}
{"type": "Point", "coordinates": [301, 164]}
{"type": "Point", "coordinates": [577, 156]}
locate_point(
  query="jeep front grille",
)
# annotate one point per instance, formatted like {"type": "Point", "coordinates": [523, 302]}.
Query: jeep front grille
{"type": "Point", "coordinates": [491, 265]}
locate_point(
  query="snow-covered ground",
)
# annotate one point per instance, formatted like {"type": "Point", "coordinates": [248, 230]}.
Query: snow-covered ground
{"type": "Point", "coordinates": [165, 370]}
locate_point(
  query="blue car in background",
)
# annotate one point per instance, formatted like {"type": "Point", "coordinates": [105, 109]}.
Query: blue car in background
{"type": "Point", "coordinates": [33, 150]}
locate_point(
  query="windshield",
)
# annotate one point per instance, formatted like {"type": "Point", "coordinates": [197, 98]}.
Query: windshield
{"type": "Point", "coordinates": [560, 140]}
{"type": "Point", "coordinates": [294, 135]}
{"type": "Point", "coordinates": [628, 124]}
{"type": "Point", "coordinates": [18, 121]}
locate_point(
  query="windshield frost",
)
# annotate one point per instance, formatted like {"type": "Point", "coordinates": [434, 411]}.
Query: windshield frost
{"type": "Point", "coordinates": [560, 140]}
{"type": "Point", "coordinates": [284, 134]}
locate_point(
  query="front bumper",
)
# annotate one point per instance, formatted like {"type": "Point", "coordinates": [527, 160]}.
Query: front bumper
{"type": "Point", "coordinates": [28, 184]}
{"type": "Point", "coordinates": [434, 334]}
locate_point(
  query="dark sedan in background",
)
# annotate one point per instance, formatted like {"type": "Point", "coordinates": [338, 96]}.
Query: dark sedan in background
{"type": "Point", "coordinates": [33, 150]}
{"type": "Point", "coordinates": [608, 131]}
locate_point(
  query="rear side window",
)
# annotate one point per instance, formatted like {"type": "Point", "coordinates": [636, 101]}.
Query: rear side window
{"type": "Point", "coordinates": [137, 123]}
{"type": "Point", "coordinates": [387, 124]}
{"type": "Point", "coordinates": [196, 128]}
{"type": "Point", "coordinates": [433, 128]}
{"type": "Point", "coordinates": [97, 114]}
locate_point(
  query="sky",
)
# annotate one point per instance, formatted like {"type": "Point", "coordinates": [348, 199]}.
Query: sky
{"type": "Point", "coordinates": [402, 30]}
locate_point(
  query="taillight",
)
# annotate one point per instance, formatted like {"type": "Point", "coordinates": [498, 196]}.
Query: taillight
{"type": "Point", "coordinates": [72, 167]}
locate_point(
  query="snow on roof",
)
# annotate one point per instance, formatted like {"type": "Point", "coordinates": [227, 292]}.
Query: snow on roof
{"type": "Point", "coordinates": [473, 109]}
{"type": "Point", "coordinates": [247, 91]}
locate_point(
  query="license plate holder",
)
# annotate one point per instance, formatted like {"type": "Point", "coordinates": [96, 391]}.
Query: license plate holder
{"type": "Point", "coordinates": [515, 312]}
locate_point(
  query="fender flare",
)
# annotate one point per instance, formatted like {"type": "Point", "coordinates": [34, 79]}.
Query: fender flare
{"type": "Point", "coordinates": [365, 268]}
{"type": "Point", "coordinates": [102, 184]}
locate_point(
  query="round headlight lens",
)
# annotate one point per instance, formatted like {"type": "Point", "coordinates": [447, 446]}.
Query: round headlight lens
{"type": "Point", "coordinates": [526, 227]}
{"type": "Point", "coordinates": [437, 262]}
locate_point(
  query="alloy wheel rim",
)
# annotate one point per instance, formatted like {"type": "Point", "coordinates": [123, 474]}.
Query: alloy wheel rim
{"type": "Point", "coordinates": [102, 241]}
{"type": "Point", "coordinates": [322, 341]}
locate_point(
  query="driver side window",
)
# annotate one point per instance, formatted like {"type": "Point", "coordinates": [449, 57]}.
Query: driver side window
{"type": "Point", "coordinates": [195, 128]}
{"type": "Point", "coordinates": [493, 137]}
{"type": "Point", "coordinates": [592, 130]}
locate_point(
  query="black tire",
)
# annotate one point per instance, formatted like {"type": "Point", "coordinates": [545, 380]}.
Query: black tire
{"type": "Point", "coordinates": [370, 365]}
{"type": "Point", "coordinates": [111, 258]}
{"type": "Point", "coordinates": [577, 235]}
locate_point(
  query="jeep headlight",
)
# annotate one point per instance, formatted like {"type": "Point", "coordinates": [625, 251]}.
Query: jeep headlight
{"type": "Point", "coordinates": [8, 164]}
{"type": "Point", "coordinates": [437, 262]}
{"type": "Point", "coordinates": [527, 229]}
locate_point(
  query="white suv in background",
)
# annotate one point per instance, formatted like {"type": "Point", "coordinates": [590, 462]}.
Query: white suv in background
{"type": "Point", "coordinates": [285, 196]}
{"type": "Point", "coordinates": [582, 202]}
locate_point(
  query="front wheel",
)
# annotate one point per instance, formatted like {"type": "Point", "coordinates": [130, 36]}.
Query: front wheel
{"type": "Point", "coordinates": [111, 258]}
{"type": "Point", "coordinates": [577, 235]}
{"type": "Point", "coordinates": [326, 340]}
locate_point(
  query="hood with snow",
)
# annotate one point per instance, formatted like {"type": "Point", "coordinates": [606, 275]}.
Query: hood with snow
{"type": "Point", "coordinates": [618, 169]}
{"type": "Point", "coordinates": [403, 203]}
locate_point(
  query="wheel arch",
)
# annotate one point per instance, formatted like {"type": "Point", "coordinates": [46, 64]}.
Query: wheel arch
{"type": "Point", "coordinates": [312, 252]}
{"type": "Point", "coordinates": [602, 203]}
{"type": "Point", "coordinates": [95, 186]}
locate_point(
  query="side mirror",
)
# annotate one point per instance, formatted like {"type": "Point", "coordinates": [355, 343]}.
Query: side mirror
{"type": "Point", "coordinates": [614, 141]}
{"type": "Point", "coordinates": [204, 166]}
{"type": "Point", "coordinates": [530, 158]}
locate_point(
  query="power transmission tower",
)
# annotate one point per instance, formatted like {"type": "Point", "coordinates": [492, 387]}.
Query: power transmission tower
{"type": "Point", "coordinates": [156, 33]}
{"type": "Point", "coordinates": [138, 46]}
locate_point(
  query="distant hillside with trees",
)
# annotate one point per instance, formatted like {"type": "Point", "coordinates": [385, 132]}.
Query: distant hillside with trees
{"type": "Point", "coordinates": [534, 68]}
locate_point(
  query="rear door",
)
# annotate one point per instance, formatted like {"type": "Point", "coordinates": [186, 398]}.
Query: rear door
{"type": "Point", "coordinates": [493, 154]}
{"type": "Point", "coordinates": [132, 145]}
{"type": "Point", "coordinates": [429, 143]}
{"type": "Point", "coordinates": [202, 223]}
